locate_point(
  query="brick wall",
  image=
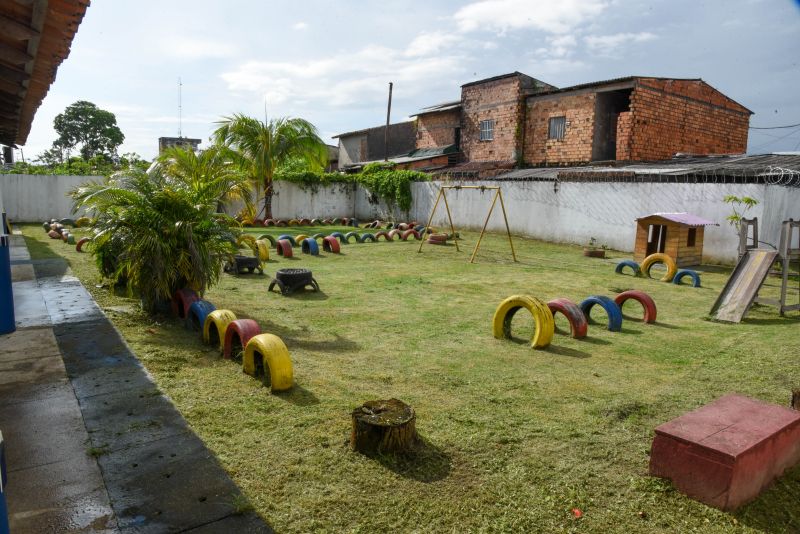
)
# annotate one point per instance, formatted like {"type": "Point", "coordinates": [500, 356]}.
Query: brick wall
{"type": "Point", "coordinates": [672, 116]}
{"type": "Point", "coordinates": [624, 131]}
{"type": "Point", "coordinates": [576, 146]}
{"type": "Point", "coordinates": [499, 100]}
{"type": "Point", "coordinates": [437, 129]}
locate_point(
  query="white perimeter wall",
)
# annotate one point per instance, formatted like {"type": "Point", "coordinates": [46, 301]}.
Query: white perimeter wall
{"type": "Point", "coordinates": [573, 213]}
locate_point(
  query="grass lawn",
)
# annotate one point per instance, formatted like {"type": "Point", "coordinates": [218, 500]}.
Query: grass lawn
{"type": "Point", "coordinates": [514, 439]}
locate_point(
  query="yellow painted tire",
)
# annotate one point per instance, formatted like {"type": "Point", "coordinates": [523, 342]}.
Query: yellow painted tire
{"type": "Point", "coordinates": [263, 249]}
{"type": "Point", "coordinates": [219, 321]}
{"type": "Point", "coordinates": [660, 257]}
{"type": "Point", "coordinates": [299, 238]}
{"type": "Point", "coordinates": [249, 241]}
{"type": "Point", "coordinates": [294, 222]}
{"type": "Point", "coordinates": [542, 319]}
{"type": "Point", "coordinates": [82, 221]}
{"type": "Point", "coordinates": [274, 359]}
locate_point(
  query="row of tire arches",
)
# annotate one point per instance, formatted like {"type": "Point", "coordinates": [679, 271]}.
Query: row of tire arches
{"type": "Point", "coordinates": [578, 315]}
{"type": "Point", "coordinates": [673, 273]}
{"type": "Point", "coordinates": [285, 244]}
{"type": "Point", "coordinates": [263, 356]}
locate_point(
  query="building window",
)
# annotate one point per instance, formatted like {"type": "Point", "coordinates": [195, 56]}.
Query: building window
{"type": "Point", "coordinates": [487, 130]}
{"type": "Point", "coordinates": [692, 237]}
{"type": "Point", "coordinates": [558, 127]}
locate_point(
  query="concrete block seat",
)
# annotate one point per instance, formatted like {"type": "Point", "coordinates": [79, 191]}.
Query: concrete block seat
{"type": "Point", "coordinates": [726, 453]}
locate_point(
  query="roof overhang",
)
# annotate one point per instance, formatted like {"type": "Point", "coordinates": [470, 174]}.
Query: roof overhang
{"type": "Point", "coordinates": [35, 37]}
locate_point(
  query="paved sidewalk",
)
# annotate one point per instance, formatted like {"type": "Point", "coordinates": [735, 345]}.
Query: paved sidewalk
{"type": "Point", "coordinates": [92, 445]}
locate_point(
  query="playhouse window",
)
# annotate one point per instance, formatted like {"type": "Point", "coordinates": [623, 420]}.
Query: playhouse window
{"type": "Point", "coordinates": [691, 238]}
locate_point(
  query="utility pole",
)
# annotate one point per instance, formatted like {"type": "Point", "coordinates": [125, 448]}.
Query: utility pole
{"type": "Point", "coordinates": [386, 133]}
{"type": "Point", "coordinates": [180, 107]}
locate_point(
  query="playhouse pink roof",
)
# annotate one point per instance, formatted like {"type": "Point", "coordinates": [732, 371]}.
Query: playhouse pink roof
{"type": "Point", "coordinates": [682, 218]}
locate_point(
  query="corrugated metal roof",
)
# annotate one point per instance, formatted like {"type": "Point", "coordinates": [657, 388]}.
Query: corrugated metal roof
{"type": "Point", "coordinates": [365, 130]}
{"type": "Point", "coordinates": [682, 218]}
{"type": "Point", "coordinates": [445, 106]}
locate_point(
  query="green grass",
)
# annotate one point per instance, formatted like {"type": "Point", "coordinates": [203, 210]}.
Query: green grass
{"type": "Point", "coordinates": [514, 438]}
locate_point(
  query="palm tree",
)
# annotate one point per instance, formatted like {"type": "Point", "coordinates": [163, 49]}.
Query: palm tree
{"type": "Point", "coordinates": [263, 147]}
{"type": "Point", "coordinates": [157, 231]}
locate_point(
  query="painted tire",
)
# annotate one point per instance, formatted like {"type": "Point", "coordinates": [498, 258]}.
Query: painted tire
{"type": "Point", "coordinates": [611, 308]}
{"type": "Point", "coordinates": [340, 236]}
{"type": "Point", "coordinates": [402, 227]}
{"type": "Point", "coordinates": [46, 226]}
{"type": "Point", "coordinates": [215, 326]}
{"type": "Point", "coordinates": [394, 233]}
{"type": "Point", "coordinates": [293, 222]}
{"type": "Point", "coordinates": [345, 221]}
{"type": "Point", "coordinates": [682, 273]}
{"type": "Point", "coordinates": [420, 228]}
{"type": "Point", "coordinates": [263, 247]}
{"type": "Point", "coordinates": [327, 221]}
{"type": "Point", "coordinates": [280, 223]}
{"type": "Point", "coordinates": [408, 233]}
{"type": "Point", "coordinates": [287, 237]}
{"type": "Point", "coordinates": [542, 319]}
{"type": "Point", "coordinates": [266, 356]}
{"type": "Point", "coordinates": [269, 222]}
{"type": "Point", "coordinates": [52, 234]}
{"type": "Point", "coordinates": [336, 221]}
{"type": "Point", "coordinates": [354, 222]}
{"type": "Point", "coordinates": [299, 238]}
{"type": "Point", "coordinates": [80, 222]}
{"type": "Point", "coordinates": [239, 332]}
{"type": "Point", "coordinates": [315, 222]}
{"type": "Point", "coordinates": [181, 300]}
{"type": "Point", "coordinates": [642, 298]}
{"type": "Point", "coordinates": [330, 244]}
{"type": "Point", "coordinates": [578, 324]}
{"type": "Point", "coordinates": [660, 257]}
{"type": "Point", "coordinates": [305, 222]}
{"type": "Point", "coordinates": [354, 235]}
{"type": "Point", "coordinates": [70, 239]}
{"type": "Point", "coordinates": [82, 241]}
{"type": "Point", "coordinates": [384, 235]}
{"type": "Point", "coordinates": [309, 246]}
{"type": "Point", "coordinates": [318, 236]}
{"type": "Point", "coordinates": [268, 238]}
{"type": "Point", "coordinates": [363, 238]}
{"type": "Point", "coordinates": [249, 241]}
{"type": "Point", "coordinates": [284, 248]}
{"type": "Point", "coordinates": [65, 235]}
{"type": "Point", "coordinates": [198, 311]}
{"type": "Point", "coordinates": [628, 263]}
{"type": "Point", "coordinates": [67, 222]}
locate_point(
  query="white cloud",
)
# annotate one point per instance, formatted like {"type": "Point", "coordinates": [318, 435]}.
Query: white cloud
{"type": "Point", "coordinates": [560, 47]}
{"type": "Point", "coordinates": [552, 16]}
{"type": "Point", "coordinates": [191, 48]}
{"type": "Point", "coordinates": [426, 44]}
{"type": "Point", "coordinates": [607, 45]}
{"type": "Point", "coordinates": [300, 26]}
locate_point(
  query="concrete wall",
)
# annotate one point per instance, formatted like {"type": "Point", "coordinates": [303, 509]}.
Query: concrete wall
{"type": "Point", "coordinates": [35, 197]}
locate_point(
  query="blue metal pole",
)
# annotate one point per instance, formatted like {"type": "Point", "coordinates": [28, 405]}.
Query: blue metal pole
{"type": "Point", "coordinates": [7, 322]}
{"type": "Point", "coordinates": [3, 482]}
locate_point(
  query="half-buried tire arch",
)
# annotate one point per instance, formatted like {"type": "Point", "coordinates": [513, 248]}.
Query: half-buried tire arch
{"type": "Point", "coordinates": [268, 237]}
{"type": "Point", "coordinates": [544, 326]}
{"type": "Point", "coordinates": [366, 237]}
{"type": "Point", "coordinates": [354, 235]}
{"type": "Point", "coordinates": [578, 324]}
{"type": "Point", "coordinates": [330, 244]}
{"type": "Point", "coordinates": [196, 317]}
{"type": "Point", "coordinates": [267, 357]}
{"type": "Point", "coordinates": [263, 249]}
{"type": "Point", "coordinates": [642, 298]}
{"type": "Point", "coordinates": [238, 333]}
{"type": "Point", "coordinates": [628, 263]}
{"type": "Point", "coordinates": [284, 248]}
{"type": "Point", "coordinates": [611, 308]}
{"type": "Point", "coordinates": [215, 327]}
{"type": "Point", "coordinates": [309, 246]}
{"type": "Point", "coordinates": [660, 257]}
{"type": "Point", "coordinates": [181, 300]}
{"type": "Point", "coordinates": [683, 273]}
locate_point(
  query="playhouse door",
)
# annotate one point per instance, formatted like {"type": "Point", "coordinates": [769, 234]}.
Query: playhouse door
{"type": "Point", "coordinates": [656, 238]}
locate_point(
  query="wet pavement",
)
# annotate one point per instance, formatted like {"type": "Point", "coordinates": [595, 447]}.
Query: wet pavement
{"type": "Point", "coordinates": [92, 445]}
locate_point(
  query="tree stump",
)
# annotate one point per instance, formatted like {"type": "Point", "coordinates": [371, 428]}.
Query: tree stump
{"type": "Point", "coordinates": [381, 426]}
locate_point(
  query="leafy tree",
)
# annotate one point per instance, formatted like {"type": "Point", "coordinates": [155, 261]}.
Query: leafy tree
{"type": "Point", "coordinates": [261, 148]}
{"type": "Point", "coordinates": [158, 231]}
{"type": "Point", "coordinates": [94, 129]}
{"type": "Point", "coordinates": [743, 204]}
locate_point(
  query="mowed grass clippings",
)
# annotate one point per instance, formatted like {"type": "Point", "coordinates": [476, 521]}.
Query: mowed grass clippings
{"type": "Point", "coordinates": [514, 439]}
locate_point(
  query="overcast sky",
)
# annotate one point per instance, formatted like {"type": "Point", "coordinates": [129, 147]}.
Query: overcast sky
{"type": "Point", "coordinates": [331, 62]}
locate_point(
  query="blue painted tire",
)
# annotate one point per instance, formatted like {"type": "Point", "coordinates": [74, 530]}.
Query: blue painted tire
{"type": "Point", "coordinates": [196, 316]}
{"type": "Point", "coordinates": [340, 236]}
{"type": "Point", "coordinates": [628, 263]}
{"type": "Point", "coordinates": [309, 246]}
{"type": "Point", "coordinates": [611, 308]}
{"type": "Point", "coordinates": [354, 222]}
{"type": "Point", "coordinates": [348, 235]}
{"type": "Point", "coordinates": [367, 237]}
{"type": "Point", "coordinates": [288, 238]}
{"type": "Point", "coordinates": [268, 238]}
{"type": "Point", "coordinates": [419, 228]}
{"type": "Point", "coordinates": [682, 273]}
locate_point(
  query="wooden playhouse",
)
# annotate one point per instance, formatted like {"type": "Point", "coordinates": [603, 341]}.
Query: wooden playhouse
{"type": "Point", "coordinates": [678, 235]}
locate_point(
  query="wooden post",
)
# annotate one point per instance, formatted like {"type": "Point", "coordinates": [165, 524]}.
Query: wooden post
{"type": "Point", "coordinates": [382, 426]}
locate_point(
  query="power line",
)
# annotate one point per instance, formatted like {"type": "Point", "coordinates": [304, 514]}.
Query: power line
{"type": "Point", "coordinates": [774, 127]}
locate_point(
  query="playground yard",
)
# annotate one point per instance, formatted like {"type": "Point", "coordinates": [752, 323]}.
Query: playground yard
{"type": "Point", "coordinates": [515, 439]}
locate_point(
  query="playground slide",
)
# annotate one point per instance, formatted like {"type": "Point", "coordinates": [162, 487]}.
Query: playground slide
{"type": "Point", "coordinates": [742, 287]}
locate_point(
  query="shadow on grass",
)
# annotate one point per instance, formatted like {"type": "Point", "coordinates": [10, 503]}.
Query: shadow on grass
{"type": "Point", "coordinates": [595, 341]}
{"type": "Point", "coordinates": [309, 294]}
{"type": "Point", "coordinates": [776, 509]}
{"type": "Point", "coordinates": [564, 351]}
{"type": "Point", "coordinates": [424, 463]}
{"type": "Point", "coordinates": [298, 395]}
{"type": "Point", "coordinates": [665, 325]}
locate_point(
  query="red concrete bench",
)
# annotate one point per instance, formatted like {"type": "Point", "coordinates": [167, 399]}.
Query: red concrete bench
{"type": "Point", "coordinates": [726, 453]}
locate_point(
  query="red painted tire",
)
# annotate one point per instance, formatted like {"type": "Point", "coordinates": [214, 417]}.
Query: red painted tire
{"type": "Point", "coordinates": [284, 248]}
{"type": "Point", "coordinates": [258, 222]}
{"type": "Point", "coordinates": [82, 241]}
{"type": "Point", "coordinates": [181, 301]}
{"type": "Point", "coordinates": [643, 298]}
{"type": "Point", "coordinates": [394, 233]}
{"type": "Point", "coordinates": [305, 222]}
{"type": "Point", "coordinates": [408, 233]}
{"type": "Point", "coordinates": [402, 227]}
{"type": "Point", "coordinates": [281, 223]}
{"type": "Point", "coordinates": [384, 235]}
{"type": "Point", "coordinates": [578, 324]}
{"type": "Point", "coordinates": [269, 222]}
{"type": "Point", "coordinates": [330, 244]}
{"type": "Point", "coordinates": [327, 221]}
{"type": "Point", "coordinates": [239, 332]}
{"type": "Point", "coordinates": [345, 221]}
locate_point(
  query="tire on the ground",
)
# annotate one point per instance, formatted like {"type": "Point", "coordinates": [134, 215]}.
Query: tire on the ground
{"type": "Point", "coordinates": [642, 298]}
{"type": "Point", "coordinates": [578, 324]}
{"type": "Point", "coordinates": [544, 326]}
{"type": "Point", "coordinates": [628, 263]}
{"type": "Point", "coordinates": [682, 273]}
{"type": "Point", "coordinates": [215, 326]}
{"type": "Point", "coordinates": [266, 355]}
{"type": "Point", "coordinates": [659, 257]}
{"type": "Point", "coordinates": [611, 308]}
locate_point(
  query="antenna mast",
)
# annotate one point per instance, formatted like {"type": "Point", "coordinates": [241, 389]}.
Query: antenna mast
{"type": "Point", "coordinates": [180, 107]}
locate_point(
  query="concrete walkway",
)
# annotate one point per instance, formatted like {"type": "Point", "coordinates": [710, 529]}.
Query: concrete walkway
{"type": "Point", "coordinates": [92, 445]}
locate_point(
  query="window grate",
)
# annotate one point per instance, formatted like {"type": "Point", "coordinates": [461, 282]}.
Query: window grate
{"type": "Point", "coordinates": [558, 128]}
{"type": "Point", "coordinates": [487, 130]}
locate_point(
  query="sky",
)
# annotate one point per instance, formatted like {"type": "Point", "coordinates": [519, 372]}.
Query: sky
{"type": "Point", "coordinates": [330, 62]}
